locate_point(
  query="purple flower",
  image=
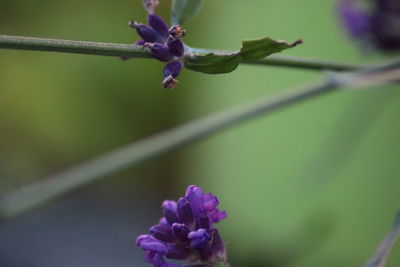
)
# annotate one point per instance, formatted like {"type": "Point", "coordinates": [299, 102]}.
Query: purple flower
{"type": "Point", "coordinates": [165, 43]}
{"type": "Point", "coordinates": [355, 19]}
{"type": "Point", "coordinates": [186, 232]}
{"type": "Point", "coordinates": [378, 25]}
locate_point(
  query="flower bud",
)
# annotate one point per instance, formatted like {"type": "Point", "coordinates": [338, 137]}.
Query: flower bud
{"type": "Point", "coordinates": [158, 24]}
{"type": "Point", "coordinates": [147, 33]}
{"type": "Point", "coordinates": [199, 238]}
{"type": "Point", "coordinates": [175, 46]}
{"type": "Point", "coordinates": [181, 232]}
{"type": "Point", "coordinates": [140, 42]}
{"type": "Point", "coordinates": [159, 51]}
{"type": "Point", "coordinates": [217, 243]}
{"type": "Point", "coordinates": [148, 242]}
{"type": "Point", "coordinates": [162, 233]}
{"type": "Point", "coordinates": [169, 210]}
{"type": "Point", "coordinates": [185, 211]}
{"type": "Point", "coordinates": [177, 252]}
{"type": "Point", "coordinates": [172, 69]}
{"type": "Point", "coordinates": [203, 222]}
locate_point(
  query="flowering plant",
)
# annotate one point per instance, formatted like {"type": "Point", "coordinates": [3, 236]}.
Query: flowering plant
{"type": "Point", "coordinates": [375, 23]}
{"type": "Point", "coordinates": [186, 232]}
{"type": "Point", "coordinates": [165, 44]}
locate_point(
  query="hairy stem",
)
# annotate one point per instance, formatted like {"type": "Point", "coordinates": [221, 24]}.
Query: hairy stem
{"type": "Point", "coordinates": [129, 50]}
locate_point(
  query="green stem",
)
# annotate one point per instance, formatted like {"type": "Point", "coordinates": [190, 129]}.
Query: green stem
{"type": "Point", "coordinates": [128, 50]}
{"type": "Point", "coordinates": [40, 192]}
{"type": "Point", "coordinates": [382, 253]}
{"type": "Point", "coordinates": [77, 47]}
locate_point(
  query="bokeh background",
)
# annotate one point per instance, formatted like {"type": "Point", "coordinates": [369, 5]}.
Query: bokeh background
{"type": "Point", "coordinates": [314, 185]}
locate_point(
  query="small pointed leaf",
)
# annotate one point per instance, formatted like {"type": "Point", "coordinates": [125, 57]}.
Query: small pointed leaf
{"type": "Point", "coordinates": [214, 63]}
{"type": "Point", "coordinates": [183, 10]}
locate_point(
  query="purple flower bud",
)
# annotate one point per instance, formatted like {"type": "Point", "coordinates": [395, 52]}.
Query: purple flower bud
{"type": "Point", "coordinates": [148, 242]}
{"type": "Point", "coordinates": [217, 243]}
{"type": "Point", "coordinates": [377, 26]}
{"type": "Point", "coordinates": [178, 252]}
{"type": "Point", "coordinates": [147, 33]}
{"type": "Point", "coordinates": [162, 233]}
{"type": "Point", "coordinates": [140, 42]}
{"type": "Point", "coordinates": [155, 258]}
{"type": "Point", "coordinates": [164, 221]}
{"type": "Point", "coordinates": [199, 238]}
{"type": "Point", "coordinates": [175, 46]}
{"type": "Point", "coordinates": [185, 211]}
{"type": "Point", "coordinates": [203, 222]}
{"type": "Point", "coordinates": [170, 211]}
{"type": "Point", "coordinates": [355, 20]}
{"type": "Point", "coordinates": [159, 51]}
{"type": "Point", "coordinates": [216, 215]}
{"type": "Point", "coordinates": [201, 247]}
{"type": "Point", "coordinates": [172, 69]}
{"type": "Point", "coordinates": [158, 24]}
{"type": "Point", "coordinates": [204, 204]}
{"type": "Point", "coordinates": [181, 232]}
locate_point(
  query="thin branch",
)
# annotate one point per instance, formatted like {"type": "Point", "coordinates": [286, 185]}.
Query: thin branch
{"type": "Point", "coordinates": [46, 189]}
{"type": "Point", "coordinates": [42, 191]}
{"type": "Point", "coordinates": [76, 47]}
{"type": "Point", "coordinates": [128, 50]}
{"type": "Point", "coordinates": [382, 253]}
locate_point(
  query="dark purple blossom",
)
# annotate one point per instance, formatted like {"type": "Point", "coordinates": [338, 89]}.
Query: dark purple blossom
{"type": "Point", "coordinates": [186, 232]}
{"type": "Point", "coordinates": [165, 43]}
{"type": "Point", "coordinates": [377, 24]}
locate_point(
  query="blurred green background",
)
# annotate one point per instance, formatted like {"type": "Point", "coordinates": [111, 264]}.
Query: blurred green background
{"type": "Point", "coordinates": [314, 185]}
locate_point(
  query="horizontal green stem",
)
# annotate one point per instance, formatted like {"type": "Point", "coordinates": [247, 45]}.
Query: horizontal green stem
{"type": "Point", "coordinates": [77, 47]}
{"type": "Point", "coordinates": [129, 50]}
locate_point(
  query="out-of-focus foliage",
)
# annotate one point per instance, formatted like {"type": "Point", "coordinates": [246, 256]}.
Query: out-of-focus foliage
{"type": "Point", "coordinates": [314, 185]}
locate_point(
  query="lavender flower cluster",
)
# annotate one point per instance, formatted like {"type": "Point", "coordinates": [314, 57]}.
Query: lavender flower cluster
{"type": "Point", "coordinates": [164, 43]}
{"type": "Point", "coordinates": [186, 232]}
{"type": "Point", "coordinates": [377, 24]}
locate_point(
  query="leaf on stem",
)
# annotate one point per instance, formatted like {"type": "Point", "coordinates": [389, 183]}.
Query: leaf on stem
{"type": "Point", "coordinates": [214, 63]}
{"type": "Point", "coordinates": [183, 10]}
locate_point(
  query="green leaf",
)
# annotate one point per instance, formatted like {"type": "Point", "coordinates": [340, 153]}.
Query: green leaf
{"type": "Point", "coordinates": [183, 10]}
{"type": "Point", "coordinates": [214, 63]}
